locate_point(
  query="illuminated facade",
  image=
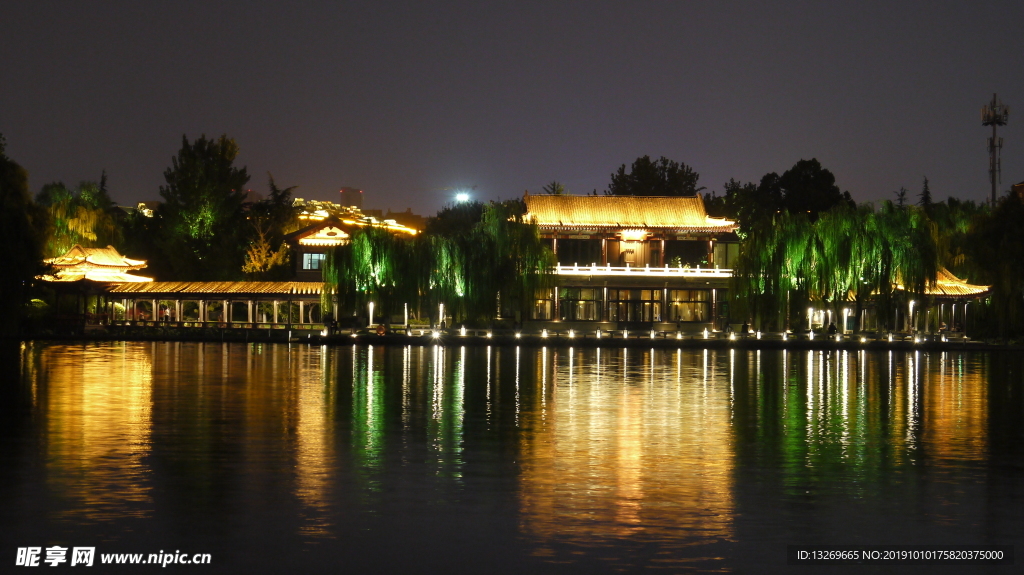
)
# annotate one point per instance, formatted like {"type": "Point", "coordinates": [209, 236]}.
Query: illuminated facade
{"type": "Point", "coordinates": [627, 262]}
{"type": "Point", "coordinates": [310, 244]}
{"type": "Point", "coordinates": [103, 265]}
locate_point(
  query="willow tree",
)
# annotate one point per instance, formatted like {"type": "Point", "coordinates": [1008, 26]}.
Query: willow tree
{"type": "Point", "coordinates": [771, 267]}
{"type": "Point", "coordinates": [846, 253]}
{"type": "Point", "coordinates": [375, 266]}
{"type": "Point", "coordinates": [501, 256]}
{"type": "Point", "coordinates": [83, 216]}
{"type": "Point", "coordinates": [904, 255]}
{"type": "Point", "coordinates": [520, 262]}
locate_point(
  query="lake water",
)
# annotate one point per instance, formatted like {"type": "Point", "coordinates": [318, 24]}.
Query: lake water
{"type": "Point", "coordinates": [356, 459]}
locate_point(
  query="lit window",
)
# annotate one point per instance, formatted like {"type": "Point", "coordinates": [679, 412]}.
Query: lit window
{"type": "Point", "coordinates": [312, 261]}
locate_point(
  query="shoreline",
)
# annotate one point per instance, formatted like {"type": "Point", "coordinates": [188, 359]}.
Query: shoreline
{"type": "Point", "coordinates": [666, 340]}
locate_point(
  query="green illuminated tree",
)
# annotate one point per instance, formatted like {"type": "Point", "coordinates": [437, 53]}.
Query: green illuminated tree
{"type": "Point", "coordinates": [84, 216]}
{"type": "Point", "coordinates": [204, 234]}
{"type": "Point", "coordinates": [470, 254]}
{"type": "Point", "coordinates": [848, 254]}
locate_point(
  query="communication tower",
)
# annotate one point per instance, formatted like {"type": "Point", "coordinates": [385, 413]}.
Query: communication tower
{"type": "Point", "coordinates": [995, 114]}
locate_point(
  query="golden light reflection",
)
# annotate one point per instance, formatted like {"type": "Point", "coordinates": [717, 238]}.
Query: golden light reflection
{"type": "Point", "coordinates": [956, 410]}
{"type": "Point", "coordinates": [640, 457]}
{"type": "Point", "coordinates": [315, 450]}
{"type": "Point", "coordinates": [99, 423]}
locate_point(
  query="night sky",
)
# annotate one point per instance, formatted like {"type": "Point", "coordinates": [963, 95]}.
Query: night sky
{"type": "Point", "coordinates": [410, 101]}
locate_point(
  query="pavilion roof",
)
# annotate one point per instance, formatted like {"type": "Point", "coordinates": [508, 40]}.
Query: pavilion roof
{"type": "Point", "coordinates": [79, 257]}
{"type": "Point", "coordinates": [682, 214]}
{"type": "Point", "coordinates": [948, 285]}
{"type": "Point", "coordinates": [94, 264]}
{"type": "Point", "coordinates": [222, 288]}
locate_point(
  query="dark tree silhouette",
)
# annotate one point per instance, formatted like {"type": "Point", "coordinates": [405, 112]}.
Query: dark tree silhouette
{"type": "Point", "coordinates": [662, 177]}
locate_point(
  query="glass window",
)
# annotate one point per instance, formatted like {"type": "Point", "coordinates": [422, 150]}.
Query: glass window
{"type": "Point", "coordinates": [580, 304]}
{"type": "Point", "coordinates": [312, 261]}
{"type": "Point", "coordinates": [579, 252]}
{"type": "Point", "coordinates": [689, 305]}
{"type": "Point", "coordinates": [543, 305]}
{"type": "Point", "coordinates": [634, 305]}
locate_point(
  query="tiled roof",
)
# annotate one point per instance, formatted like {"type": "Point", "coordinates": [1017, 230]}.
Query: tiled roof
{"type": "Point", "coordinates": [624, 212]}
{"type": "Point", "coordinates": [255, 288]}
{"type": "Point", "coordinates": [89, 258]}
{"type": "Point", "coordinates": [97, 275]}
{"type": "Point", "coordinates": [948, 285]}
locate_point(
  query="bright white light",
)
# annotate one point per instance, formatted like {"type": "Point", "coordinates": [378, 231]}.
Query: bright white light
{"type": "Point", "coordinates": [488, 334]}
{"type": "Point", "coordinates": [917, 339]}
{"type": "Point", "coordinates": [461, 197]}
{"type": "Point", "coordinates": [679, 335]}
{"type": "Point", "coordinates": [652, 334]}
{"type": "Point", "coordinates": [518, 335]}
{"type": "Point", "coordinates": [705, 333]}
{"type": "Point", "coordinates": [543, 333]}
{"type": "Point", "coordinates": [625, 334]}
{"type": "Point", "coordinates": [758, 335]}
{"type": "Point", "coordinates": [839, 337]}
{"type": "Point", "coordinates": [810, 335]}
{"type": "Point", "coordinates": [436, 334]}
{"type": "Point", "coordinates": [598, 334]}
{"type": "Point", "coordinates": [462, 331]}
{"type": "Point", "coordinates": [785, 336]}
{"type": "Point", "coordinates": [732, 336]}
{"type": "Point", "coordinates": [572, 334]}
{"type": "Point", "coordinates": [863, 340]}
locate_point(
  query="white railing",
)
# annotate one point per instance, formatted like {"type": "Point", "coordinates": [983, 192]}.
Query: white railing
{"type": "Point", "coordinates": [609, 270]}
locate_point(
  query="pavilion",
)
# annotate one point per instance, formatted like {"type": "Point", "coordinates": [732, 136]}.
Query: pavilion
{"type": "Point", "coordinates": [628, 262]}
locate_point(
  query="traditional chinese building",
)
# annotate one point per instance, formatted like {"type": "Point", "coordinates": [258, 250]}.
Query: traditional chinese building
{"type": "Point", "coordinates": [102, 265]}
{"type": "Point", "coordinates": [310, 243]}
{"type": "Point", "coordinates": [80, 279]}
{"type": "Point", "coordinates": [627, 262]}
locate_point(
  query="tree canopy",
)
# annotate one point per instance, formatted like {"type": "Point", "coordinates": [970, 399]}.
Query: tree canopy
{"type": "Point", "coordinates": [203, 218]}
{"type": "Point", "coordinates": [661, 177]}
{"type": "Point", "coordinates": [21, 228]}
{"type": "Point", "coordinates": [85, 216]}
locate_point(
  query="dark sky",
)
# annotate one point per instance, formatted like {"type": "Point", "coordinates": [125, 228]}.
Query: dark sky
{"type": "Point", "coordinates": [410, 100]}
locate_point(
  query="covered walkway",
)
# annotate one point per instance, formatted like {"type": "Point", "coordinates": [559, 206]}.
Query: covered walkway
{"type": "Point", "coordinates": [291, 305]}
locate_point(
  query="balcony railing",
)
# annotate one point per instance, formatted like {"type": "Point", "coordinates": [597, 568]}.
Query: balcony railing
{"type": "Point", "coordinates": [667, 271]}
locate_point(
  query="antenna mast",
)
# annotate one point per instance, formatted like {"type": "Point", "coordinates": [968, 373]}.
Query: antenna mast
{"type": "Point", "coordinates": [995, 114]}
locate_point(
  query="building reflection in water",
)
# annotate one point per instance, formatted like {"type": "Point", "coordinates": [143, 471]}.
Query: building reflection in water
{"type": "Point", "coordinates": [315, 448]}
{"type": "Point", "coordinates": [602, 447]}
{"type": "Point", "coordinates": [626, 444]}
{"type": "Point", "coordinates": [97, 405]}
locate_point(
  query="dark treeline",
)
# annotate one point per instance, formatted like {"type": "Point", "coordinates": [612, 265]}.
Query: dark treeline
{"type": "Point", "coordinates": [803, 240]}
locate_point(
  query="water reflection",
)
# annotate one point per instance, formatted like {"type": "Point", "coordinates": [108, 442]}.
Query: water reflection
{"type": "Point", "coordinates": [660, 458]}
{"type": "Point", "coordinates": [97, 407]}
{"type": "Point", "coordinates": [644, 455]}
